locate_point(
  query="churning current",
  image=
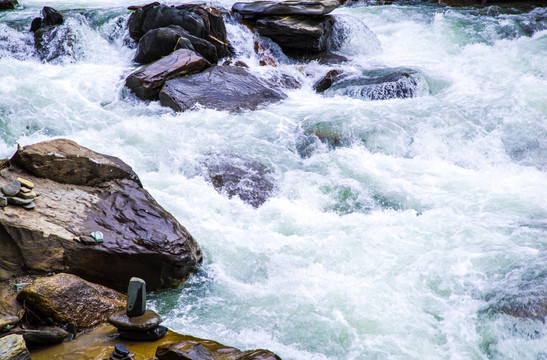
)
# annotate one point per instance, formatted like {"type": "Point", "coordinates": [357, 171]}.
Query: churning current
{"type": "Point", "coordinates": [410, 228]}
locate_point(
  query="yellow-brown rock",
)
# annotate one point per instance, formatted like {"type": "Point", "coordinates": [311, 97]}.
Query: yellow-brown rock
{"type": "Point", "coordinates": [67, 298]}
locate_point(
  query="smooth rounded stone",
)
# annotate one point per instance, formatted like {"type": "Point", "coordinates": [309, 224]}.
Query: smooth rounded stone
{"type": "Point", "coordinates": [18, 201]}
{"type": "Point", "coordinates": [24, 190]}
{"type": "Point", "coordinates": [12, 188]}
{"type": "Point", "coordinates": [121, 349]}
{"type": "Point", "coordinates": [162, 15]}
{"type": "Point", "coordinates": [149, 335]}
{"type": "Point", "coordinates": [298, 34]}
{"type": "Point", "coordinates": [25, 183]}
{"type": "Point", "coordinates": [44, 336]}
{"type": "Point", "coordinates": [285, 8]}
{"type": "Point", "coordinates": [13, 347]}
{"type": "Point", "coordinates": [136, 297]}
{"type": "Point", "coordinates": [148, 321]}
{"type": "Point", "coordinates": [87, 240]}
{"type": "Point", "coordinates": [26, 195]}
{"type": "Point", "coordinates": [160, 42]}
{"type": "Point", "coordinates": [147, 81]}
{"type": "Point", "coordinates": [8, 4]}
{"type": "Point", "coordinates": [29, 206]}
{"type": "Point", "coordinates": [229, 88]}
{"type": "Point", "coordinates": [3, 202]}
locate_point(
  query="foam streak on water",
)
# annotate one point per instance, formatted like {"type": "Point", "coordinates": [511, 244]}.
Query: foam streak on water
{"type": "Point", "coordinates": [420, 233]}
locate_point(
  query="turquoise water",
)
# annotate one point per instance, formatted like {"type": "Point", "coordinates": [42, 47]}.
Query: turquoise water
{"type": "Point", "coordinates": [416, 238]}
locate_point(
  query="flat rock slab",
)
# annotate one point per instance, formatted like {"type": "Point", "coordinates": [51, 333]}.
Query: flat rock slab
{"type": "Point", "coordinates": [285, 8]}
{"type": "Point", "coordinates": [149, 320]}
{"type": "Point", "coordinates": [299, 34]}
{"type": "Point", "coordinates": [230, 88]}
{"type": "Point", "coordinates": [148, 80]}
{"type": "Point", "coordinates": [13, 347]}
{"type": "Point", "coordinates": [141, 239]}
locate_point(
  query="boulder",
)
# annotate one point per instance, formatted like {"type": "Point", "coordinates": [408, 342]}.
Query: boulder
{"type": "Point", "coordinates": [379, 85]}
{"type": "Point", "coordinates": [160, 42]}
{"type": "Point", "coordinates": [247, 179]}
{"type": "Point", "coordinates": [44, 336]}
{"type": "Point", "coordinates": [51, 17]}
{"type": "Point", "coordinates": [99, 343]}
{"type": "Point", "coordinates": [66, 162]}
{"type": "Point", "coordinates": [148, 80]}
{"type": "Point", "coordinates": [83, 192]}
{"type": "Point", "coordinates": [285, 8]}
{"type": "Point", "coordinates": [54, 42]}
{"type": "Point", "coordinates": [13, 347]}
{"type": "Point", "coordinates": [230, 88]}
{"type": "Point", "coordinates": [298, 34]}
{"type": "Point", "coordinates": [8, 4]}
{"type": "Point", "coordinates": [326, 81]}
{"type": "Point", "coordinates": [67, 298]}
{"type": "Point", "coordinates": [323, 58]}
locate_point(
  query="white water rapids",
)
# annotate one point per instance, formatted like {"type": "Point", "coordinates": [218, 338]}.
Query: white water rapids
{"type": "Point", "coordinates": [413, 240]}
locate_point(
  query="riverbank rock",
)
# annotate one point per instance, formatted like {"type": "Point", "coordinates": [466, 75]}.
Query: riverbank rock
{"type": "Point", "coordinates": [52, 39]}
{"type": "Point", "coordinates": [68, 299]}
{"type": "Point", "coordinates": [230, 88]}
{"type": "Point", "coordinates": [13, 347]}
{"type": "Point", "coordinates": [99, 343]}
{"type": "Point", "coordinates": [148, 80]}
{"type": "Point", "coordinates": [83, 192]}
{"type": "Point", "coordinates": [247, 179]}
{"type": "Point", "coordinates": [43, 336]}
{"type": "Point", "coordinates": [8, 4]}
{"type": "Point", "coordinates": [285, 8]}
{"type": "Point", "coordinates": [375, 85]}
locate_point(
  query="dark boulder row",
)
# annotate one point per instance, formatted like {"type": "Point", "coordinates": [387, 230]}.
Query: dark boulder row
{"type": "Point", "coordinates": [298, 34]}
{"type": "Point", "coordinates": [230, 88]}
{"type": "Point", "coordinates": [256, 9]}
{"type": "Point", "coordinates": [233, 175]}
{"type": "Point", "coordinates": [137, 236]}
{"type": "Point", "coordinates": [381, 84]}
{"type": "Point", "coordinates": [8, 4]}
{"type": "Point", "coordinates": [147, 81]}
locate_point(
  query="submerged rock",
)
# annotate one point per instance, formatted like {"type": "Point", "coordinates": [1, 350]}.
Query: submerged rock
{"type": "Point", "coordinates": [13, 347]}
{"type": "Point", "coordinates": [379, 85]}
{"type": "Point", "coordinates": [230, 88]}
{"type": "Point", "coordinates": [285, 8]}
{"type": "Point", "coordinates": [83, 192]}
{"type": "Point", "coordinates": [247, 179]}
{"type": "Point", "coordinates": [298, 34]}
{"type": "Point", "coordinates": [67, 298]}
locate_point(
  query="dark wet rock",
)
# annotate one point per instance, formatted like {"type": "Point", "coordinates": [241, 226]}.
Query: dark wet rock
{"type": "Point", "coordinates": [87, 240]}
{"type": "Point", "coordinates": [53, 43]}
{"type": "Point", "coordinates": [247, 179]}
{"type": "Point", "coordinates": [35, 24]}
{"type": "Point", "coordinates": [380, 85]}
{"type": "Point", "coordinates": [160, 42]}
{"type": "Point", "coordinates": [66, 162]}
{"type": "Point", "coordinates": [31, 205]}
{"type": "Point", "coordinates": [7, 321]}
{"type": "Point", "coordinates": [13, 347]}
{"type": "Point", "coordinates": [150, 335]}
{"type": "Point", "coordinates": [323, 58]}
{"type": "Point", "coordinates": [120, 349]}
{"type": "Point", "coordinates": [12, 188]}
{"type": "Point", "coordinates": [155, 15]}
{"type": "Point", "coordinates": [68, 299]}
{"type": "Point", "coordinates": [326, 81]}
{"type": "Point", "coordinates": [18, 201]}
{"type": "Point", "coordinates": [258, 354]}
{"type": "Point", "coordinates": [8, 4]}
{"type": "Point", "coordinates": [148, 321]}
{"type": "Point", "coordinates": [285, 8]}
{"type": "Point", "coordinates": [228, 88]}
{"type": "Point", "coordinates": [44, 336]}
{"type": "Point", "coordinates": [82, 192]}
{"type": "Point", "coordinates": [136, 297]}
{"type": "Point", "coordinates": [298, 34]}
{"type": "Point", "coordinates": [51, 17]}
{"type": "Point", "coordinates": [148, 80]}
{"type": "Point", "coordinates": [184, 351]}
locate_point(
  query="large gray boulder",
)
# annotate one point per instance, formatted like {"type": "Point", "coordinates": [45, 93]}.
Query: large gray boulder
{"type": "Point", "coordinates": [230, 88]}
{"type": "Point", "coordinates": [147, 81]}
{"type": "Point", "coordinates": [83, 192]}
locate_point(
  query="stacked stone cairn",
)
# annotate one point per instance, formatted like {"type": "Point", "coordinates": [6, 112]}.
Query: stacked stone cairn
{"type": "Point", "coordinates": [137, 323]}
{"type": "Point", "coordinates": [18, 192]}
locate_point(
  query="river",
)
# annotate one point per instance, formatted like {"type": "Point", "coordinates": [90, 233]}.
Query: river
{"type": "Point", "coordinates": [422, 236]}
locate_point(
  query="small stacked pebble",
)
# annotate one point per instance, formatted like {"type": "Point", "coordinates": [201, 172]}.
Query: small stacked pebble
{"type": "Point", "coordinates": [18, 192]}
{"type": "Point", "coordinates": [121, 353]}
{"type": "Point", "coordinates": [137, 323]}
{"type": "Point", "coordinates": [94, 238]}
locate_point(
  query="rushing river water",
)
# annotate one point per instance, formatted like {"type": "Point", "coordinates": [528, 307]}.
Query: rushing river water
{"type": "Point", "coordinates": [423, 236]}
